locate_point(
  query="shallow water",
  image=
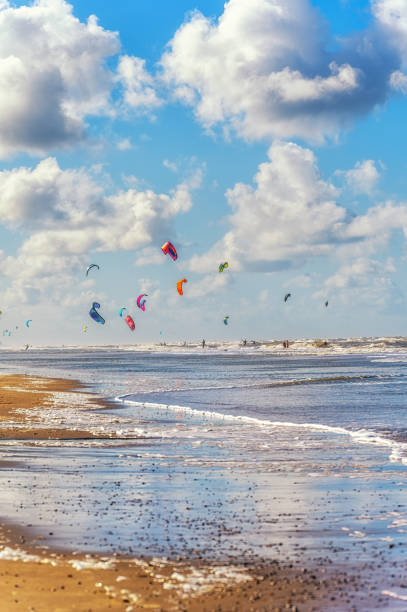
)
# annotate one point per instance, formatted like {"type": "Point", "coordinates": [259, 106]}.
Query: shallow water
{"type": "Point", "coordinates": [225, 454]}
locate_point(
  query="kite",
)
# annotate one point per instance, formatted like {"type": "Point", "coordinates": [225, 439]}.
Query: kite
{"type": "Point", "coordinates": [326, 303]}
{"type": "Point", "coordinates": [28, 322]}
{"type": "Point", "coordinates": [169, 249]}
{"type": "Point", "coordinates": [225, 320]}
{"type": "Point", "coordinates": [287, 295]}
{"type": "Point", "coordinates": [140, 302]}
{"type": "Point", "coordinates": [85, 329]}
{"type": "Point", "coordinates": [223, 266]}
{"type": "Point", "coordinates": [179, 285]}
{"type": "Point", "coordinates": [130, 322]}
{"type": "Point", "coordinates": [95, 315]}
{"type": "Point", "coordinates": [90, 268]}
{"type": "Point", "coordinates": [121, 311]}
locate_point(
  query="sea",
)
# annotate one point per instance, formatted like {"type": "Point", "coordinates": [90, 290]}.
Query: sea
{"type": "Point", "coordinates": [231, 452]}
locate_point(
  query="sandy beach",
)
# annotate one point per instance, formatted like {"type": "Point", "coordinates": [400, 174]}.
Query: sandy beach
{"type": "Point", "coordinates": [35, 575]}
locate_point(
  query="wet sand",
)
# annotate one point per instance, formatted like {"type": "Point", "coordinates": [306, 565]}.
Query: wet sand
{"type": "Point", "coordinates": [33, 576]}
{"type": "Point", "coordinates": [20, 395]}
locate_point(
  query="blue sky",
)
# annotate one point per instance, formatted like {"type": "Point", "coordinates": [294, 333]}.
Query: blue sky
{"type": "Point", "coordinates": [268, 134]}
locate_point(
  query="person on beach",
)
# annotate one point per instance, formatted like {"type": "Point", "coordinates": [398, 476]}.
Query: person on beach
{"type": "Point", "coordinates": [203, 343]}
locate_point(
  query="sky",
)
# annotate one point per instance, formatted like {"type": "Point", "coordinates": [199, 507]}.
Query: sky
{"type": "Point", "coordinates": [269, 134]}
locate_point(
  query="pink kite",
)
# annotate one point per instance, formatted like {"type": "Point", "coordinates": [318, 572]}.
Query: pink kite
{"type": "Point", "coordinates": [140, 302]}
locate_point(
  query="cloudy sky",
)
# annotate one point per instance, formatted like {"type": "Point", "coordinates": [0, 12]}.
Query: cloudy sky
{"type": "Point", "coordinates": [266, 133]}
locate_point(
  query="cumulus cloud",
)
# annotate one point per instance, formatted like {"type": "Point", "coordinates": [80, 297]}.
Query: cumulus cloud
{"type": "Point", "coordinates": [124, 145]}
{"type": "Point", "coordinates": [48, 85]}
{"type": "Point", "coordinates": [391, 18]}
{"type": "Point", "coordinates": [149, 256]}
{"type": "Point", "coordinates": [52, 83]}
{"type": "Point", "coordinates": [170, 165]}
{"type": "Point", "coordinates": [363, 178]}
{"type": "Point", "coordinates": [68, 215]}
{"type": "Point", "coordinates": [264, 69]}
{"type": "Point", "coordinates": [207, 285]}
{"type": "Point", "coordinates": [398, 81]}
{"type": "Point", "coordinates": [291, 215]}
{"type": "Point", "coordinates": [303, 280]}
{"type": "Point", "coordinates": [358, 273]}
{"type": "Point", "coordinates": [138, 84]}
{"type": "Point", "coordinates": [362, 280]}
{"type": "Point", "coordinates": [46, 197]}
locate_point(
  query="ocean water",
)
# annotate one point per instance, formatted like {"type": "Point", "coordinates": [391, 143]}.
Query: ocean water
{"type": "Point", "coordinates": [229, 452]}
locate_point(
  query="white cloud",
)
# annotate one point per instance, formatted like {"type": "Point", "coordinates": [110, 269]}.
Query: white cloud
{"type": "Point", "coordinates": [263, 68]}
{"type": "Point", "coordinates": [170, 165]}
{"type": "Point", "coordinates": [149, 256]}
{"type": "Point", "coordinates": [303, 280]}
{"type": "Point", "coordinates": [377, 223]}
{"type": "Point", "coordinates": [47, 197]}
{"type": "Point", "coordinates": [391, 17]}
{"type": "Point", "coordinates": [398, 81]}
{"type": "Point", "coordinates": [211, 283]}
{"type": "Point", "coordinates": [52, 74]}
{"type": "Point", "coordinates": [124, 145]}
{"type": "Point", "coordinates": [139, 89]}
{"type": "Point", "coordinates": [291, 215]}
{"type": "Point", "coordinates": [361, 280]}
{"type": "Point", "coordinates": [363, 178]}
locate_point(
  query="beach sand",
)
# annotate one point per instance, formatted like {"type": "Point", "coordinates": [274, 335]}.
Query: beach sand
{"type": "Point", "coordinates": [34, 576]}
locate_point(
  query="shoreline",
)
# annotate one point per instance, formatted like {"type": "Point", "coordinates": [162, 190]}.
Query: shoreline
{"type": "Point", "coordinates": [24, 397]}
{"type": "Point", "coordinates": [34, 573]}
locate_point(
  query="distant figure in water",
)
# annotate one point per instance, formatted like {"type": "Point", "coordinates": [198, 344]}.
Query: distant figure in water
{"type": "Point", "coordinates": [286, 344]}
{"type": "Point", "coordinates": [244, 342]}
{"type": "Point", "coordinates": [203, 343]}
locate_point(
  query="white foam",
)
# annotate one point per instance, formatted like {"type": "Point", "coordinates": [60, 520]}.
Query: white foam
{"type": "Point", "coordinates": [198, 581]}
{"type": "Point", "coordinates": [395, 595]}
{"type": "Point", "coordinates": [351, 345]}
{"type": "Point", "coordinates": [16, 554]}
{"type": "Point", "coordinates": [90, 563]}
{"type": "Point", "coordinates": [362, 436]}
